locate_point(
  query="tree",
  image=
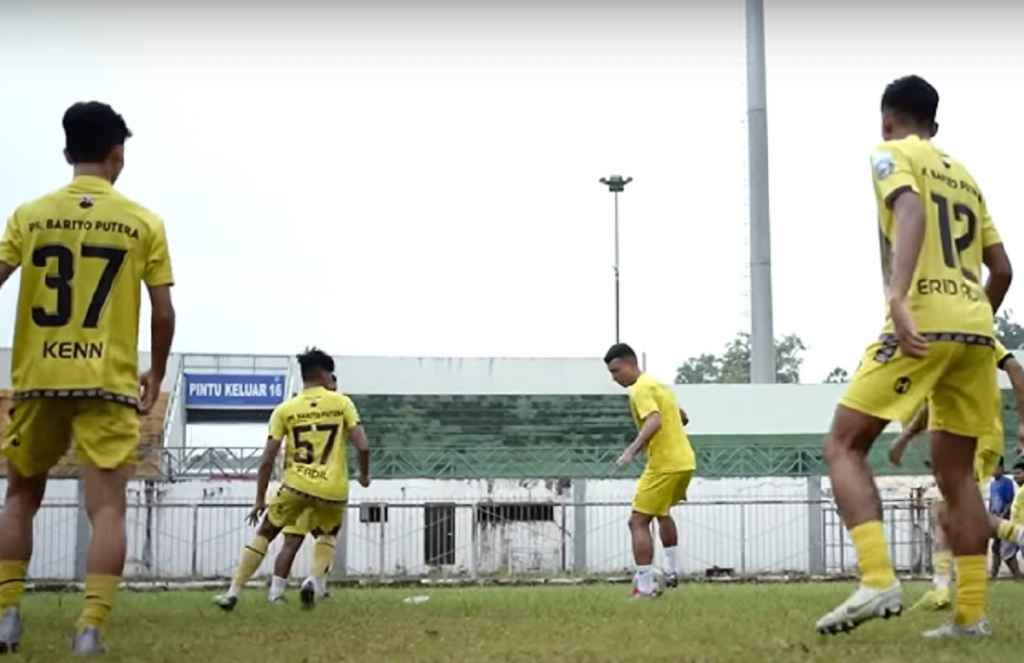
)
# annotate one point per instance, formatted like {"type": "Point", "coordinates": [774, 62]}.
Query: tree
{"type": "Point", "coordinates": [699, 370]}
{"type": "Point", "coordinates": [733, 365]}
{"type": "Point", "coordinates": [1009, 332]}
{"type": "Point", "coordinates": [837, 375]}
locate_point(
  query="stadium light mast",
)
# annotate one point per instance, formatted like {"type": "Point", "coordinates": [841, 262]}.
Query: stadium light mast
{"type": "Point", "coordinates": [762, 335]}
{"type": "Point", "coordinates": [616, 184]}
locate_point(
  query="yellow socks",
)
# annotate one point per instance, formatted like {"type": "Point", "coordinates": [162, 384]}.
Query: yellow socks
{"type": "Point", "coordinates": [12, 583]}
{"type": "Point", "coordinates": [252, 557]}
{"type": "Point", "coordinates": [943, 561]}
{"type": "Point", "coordinates": [323, 555]}
{"type": "Point", "coordinates": [872, 555]}
{"type": "Point", "coordinates": [970, 589]}
{"type": "Point", "coordinates": [99, 599]}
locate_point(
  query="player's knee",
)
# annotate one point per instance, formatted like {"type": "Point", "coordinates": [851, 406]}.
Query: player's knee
{"type": "Point", "coordinates": [639, 521]}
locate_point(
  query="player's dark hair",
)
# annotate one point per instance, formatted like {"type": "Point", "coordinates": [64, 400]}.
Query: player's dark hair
{"type": "Point", "coordinates": [1019, 465]}
{"type": "Point", "coordinates": [314, 359]}
{"type": "Point", "coordinates": [91, 130]}
{"type": "Point", "coordinates": [913, 97]}
{"type": "Point", "coordinates": [619, 351]}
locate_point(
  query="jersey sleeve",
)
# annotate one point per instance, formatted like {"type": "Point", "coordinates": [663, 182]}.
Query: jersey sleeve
{"type": "Point", "coordinates": [277, 428]}
{"type": "Point", "coordinates": [643, 400]}
{"type": "Point", "coordinates": [10, 245]}
{"type": "Point", "coordinates": [892, 172]}
{"type": "Point", "coordinates": [989, 234]}
{"type": "Point", "coordinates": [158, 262]}
{"type": "Point", "coordinates": [1002, 354]}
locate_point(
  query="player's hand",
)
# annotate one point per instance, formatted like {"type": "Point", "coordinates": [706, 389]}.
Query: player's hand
{"type": "Point", "coordinates": [627, 457]}
{"type": "Point", "coordinates": [256, 514]}
{"type": "Point", "coordinates": [149, 390]}
{"type": "Point", "coordinates": [364, 480]}
{"type": "Point", "coordinates": [910, 341]}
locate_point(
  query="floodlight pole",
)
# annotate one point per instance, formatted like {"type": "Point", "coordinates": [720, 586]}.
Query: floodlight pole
{"type": "Point", "coordinates": [762, 335]}
{"type": "Point", "coordinates": [616, 184]}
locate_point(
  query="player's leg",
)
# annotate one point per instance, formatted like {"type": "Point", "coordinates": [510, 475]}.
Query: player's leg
{"type": "Point", "coordinates": [323, 558]}
{"type": "Point", "coordinates": [24, 496]}
{"type": "Point", "coordinates": [106, 441]}
{"type": "Point", "coordinates": [888, 386]}
{"type": "Point", "coordinates": [937, 598]}
{"type": "Point", "coordinates": [283, 564]}
{"type": "Point", "coordinates": [654, 495]}
{"type": "Point", "coordinates": [670, 542]}
{"type": "Point", "coordinates": [995, 554]}
{"type": "Point", "coordinates": [326, 518]}
{"type": "Point", "coordinates": [670, 534]}
{"type": "Point", "coordinates": [105, 505]}
{"type": "Point", "coordinates": [284, 510]}
{"type": "Point", "coordinates": [963, 407]}
{"type": "Point", "coordinates": [37, 436]}
{"type": "Point", "coordinates": [856, 495]}
{"type": "Point", "coordinates": [952, 457]}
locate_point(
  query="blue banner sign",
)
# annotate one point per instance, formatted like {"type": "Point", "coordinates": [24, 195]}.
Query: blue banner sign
{"type": "Point", "coordinates": [233, 391]}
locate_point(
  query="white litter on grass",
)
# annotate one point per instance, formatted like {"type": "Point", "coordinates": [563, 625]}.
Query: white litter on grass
{"type": "Point", "coordinates": [416, 600]}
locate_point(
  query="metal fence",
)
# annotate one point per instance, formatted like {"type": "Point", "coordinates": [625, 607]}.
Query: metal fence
{"type": "Point", "coordinates": [195, 541]}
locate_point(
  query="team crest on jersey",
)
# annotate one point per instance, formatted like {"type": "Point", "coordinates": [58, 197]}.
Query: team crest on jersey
{"type": "Point", "coordinates": [902, 385]}
{"type": "Point", "coordinates": [86, 202]}
{"type": "Point", "coordinates": [883, 165]}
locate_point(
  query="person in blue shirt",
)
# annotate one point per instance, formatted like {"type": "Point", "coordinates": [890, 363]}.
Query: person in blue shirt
{"type": "Point", "coordinates": [1000, 499]}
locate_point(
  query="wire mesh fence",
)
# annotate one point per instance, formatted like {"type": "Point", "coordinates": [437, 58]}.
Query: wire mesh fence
{"type": "Point", "coordinates": [491, 539]}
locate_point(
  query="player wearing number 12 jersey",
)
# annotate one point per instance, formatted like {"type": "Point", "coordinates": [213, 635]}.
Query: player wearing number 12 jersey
{"type": "Point", "coordinates": [937, 345]}
{"type": "Point", "coordinates": [315, 427]}
{"type": "Point", "coordinates": [84, 253]}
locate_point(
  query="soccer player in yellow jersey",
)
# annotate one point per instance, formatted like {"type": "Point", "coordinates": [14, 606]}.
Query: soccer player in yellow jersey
{"type": "Point", "coordinates": [315, 426]}
{"type": "Point", "coordinates": [937, 344]}
{"type": "Point", "coordinates": [670, 466]}
{"type": "Point", "coordinates": [84, 252]}
{"type": "Point", "coordinates": [323, 548]}
{"type": "Point", "coordinates": [1017, 509]}
{"type": "Point", "coordinates": [986, 458]}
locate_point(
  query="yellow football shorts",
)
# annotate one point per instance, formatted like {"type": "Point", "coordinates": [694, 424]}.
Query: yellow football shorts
{"type": "Point", "coordinates": [656, 492]}
{"type": "Point", "coordinates": [304, 513]}
{"type": "Point", "coordinates": [105, 433]}
{"type": "Point", "coordinates": [955, 378]}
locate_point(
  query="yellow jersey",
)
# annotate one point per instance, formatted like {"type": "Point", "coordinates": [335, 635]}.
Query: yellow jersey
{"type": "Point", "coordinates": [946, 295]}
{"type": "Point", "coordinates": [84, 252]}
{"type": "Point", "coordinates": [315, 426]}
{"type": "Point", "coordinates": [1017, 508]}
{"type": "Point", "coordinates": [669, 450]}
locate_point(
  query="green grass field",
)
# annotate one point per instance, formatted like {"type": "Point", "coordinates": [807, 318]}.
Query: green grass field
{"type": "Point", "coordinates": [696, 622]}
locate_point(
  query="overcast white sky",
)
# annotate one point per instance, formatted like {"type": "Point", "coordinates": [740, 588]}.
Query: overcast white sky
{"type": "Point", "coordinates": [390, 179]}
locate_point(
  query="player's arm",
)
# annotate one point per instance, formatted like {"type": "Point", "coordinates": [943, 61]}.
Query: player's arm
{"type": "Point", "coordinates": [993, 254]}
{"type": "Point", "coordinates": [358, 438]}
{"type": "Point", "coordinates": [263, 478]}
{"type": "Point", "coordinates": [6, 271]}
{"type": "Point", "coordinates": [161, 326]}
{"type": "Point", "coordinates": [1015, 372]}
{"type": "Point", "coordinates": [648, 429]}
{"type": "Point", "coordinates": [10, 250]}
{"type": "Point", "coordinates": [900, 445]}
{"type": "Point", "coordinates": [1000, 274]}
{"type": "Point", "coordinates": [909, 221]}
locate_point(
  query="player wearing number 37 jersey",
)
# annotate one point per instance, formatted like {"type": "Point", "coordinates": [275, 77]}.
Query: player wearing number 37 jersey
{"type": "Point", "coordinates": [937, 346]}
{"type": "Point", "coordinates": [84, 252]}
{"type": "Point", "coordinates": [315, 427]}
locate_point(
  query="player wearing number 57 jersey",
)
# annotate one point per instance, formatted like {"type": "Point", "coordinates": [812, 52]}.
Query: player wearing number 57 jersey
{"type": "Point", "coordinates": [315, 427]}
{"type": "Point", "coordinates": [84, 252]}
{"type": "Point", "coordinates": [937, 345]}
